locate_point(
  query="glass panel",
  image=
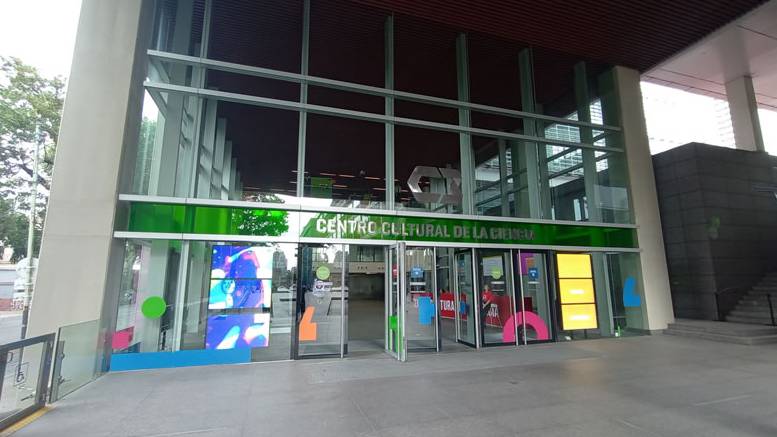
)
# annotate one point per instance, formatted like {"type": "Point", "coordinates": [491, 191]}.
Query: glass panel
{"type": "Point", "coordinates": [351, 52]}
{"type": "Point", "coordinates": [534, 306]}
{"type": "Point", "coordinates": [345, 162]}
{"type": "Point", "coordinates": [466, 291]}
{"type": "Point", "coordinates": [494, 178]}
{"type": "Point", "coordinates": [445, 295]}
{"type": "Point", "coordinates": [496, 295]}
{"type": "Point", "coordinates": [247, 153]}
{"type": "Point", "coordinates": [178, 26]}
{"type": "Point", "coordinates": [79, 357]}
{"type": "Point", "coordinates": [628, 301]}
{"type": "Point", "coordinates": [263, 34]}
{"type": "Point", "coordinates": [150, 274]}
{"type": "Point", "coordinates": [321, 297]}
{"type": "Point", "coordinates": [421, 318]}
{"type": "Point", "coordinates": [20, 380]}
{"type": "Point", "coordinates": [394, 340]}
{"type": "Point", "coordinates": [427, 168]}
{"type": "Point", "coordinates": [366, 306]}
{"type": "Point", "coordinates": [425, 57]}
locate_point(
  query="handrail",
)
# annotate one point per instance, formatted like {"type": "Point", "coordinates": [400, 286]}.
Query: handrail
{"type": "Point", "coordinates": [727, 290]}
{"type": "Point", "coordinates": [41, 385]}
{"type": "Point", "coordinates": [741, 289]}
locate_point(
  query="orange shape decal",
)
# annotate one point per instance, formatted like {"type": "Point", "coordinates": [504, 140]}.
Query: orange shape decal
{"type": "Point", "coordinates": [307, 329]}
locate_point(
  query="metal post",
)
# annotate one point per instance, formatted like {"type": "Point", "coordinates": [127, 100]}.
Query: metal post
{"type": "Point", "coordinates": [465, 139]}
{"type": "Point", "coordinates": [303, 99]}
{"type": "Point", "coordinates": [389, 110]}
{"type": "Point", "coordinates": [771, 307]}
{"type": "Point", "coordinates": [31, 239]}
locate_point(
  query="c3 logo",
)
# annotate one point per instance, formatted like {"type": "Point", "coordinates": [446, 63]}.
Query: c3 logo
{"type": "Point", "coordinates": [452, 178]}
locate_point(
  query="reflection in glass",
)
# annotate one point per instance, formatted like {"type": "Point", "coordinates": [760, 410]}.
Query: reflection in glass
{"type": "Point", "coordinates": [466, 303]}
{"type": "Point", "coordinates": [535, 319]}
{"type": "Point", "coordinates": [420, 316]}
{"type": "Point", "coordinates": [321, 299]}
{"type": "Point", "coordinates": [496, 296]}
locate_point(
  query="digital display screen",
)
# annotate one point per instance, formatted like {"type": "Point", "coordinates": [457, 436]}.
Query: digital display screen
{"type": "Point", "coordinates": [241, 277]}
{"type": "Point", "coordinates": [231, 331]}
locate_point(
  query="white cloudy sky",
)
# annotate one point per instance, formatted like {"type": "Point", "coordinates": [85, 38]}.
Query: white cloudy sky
{"type": "Point", "coordinates": [42, 33]}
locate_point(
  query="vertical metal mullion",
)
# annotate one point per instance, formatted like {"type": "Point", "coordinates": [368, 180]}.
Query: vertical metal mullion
{"type": "Point", "coordinates": [204, 47]}
{"type": "Point", "coordinates": [516, 283]}
{"type": "Point", "coordinates": [402, 287]}
{"type": "Point", "coordinates": [303, 99]}
{"type": "Point", "coordinates": [180, 295]}
{"type": "Point", "coordinates": [583, 99]}
{"type": "Point", "coordinates": [389, 110]}
{"type": "Point", "coordinates": [436, 301]}
{"type": "Point", "coordinates": [456, 300]}
{"type": "Point", "coordinates": [531, 150]}
{"type": "Point", "coordinates": [503, 176]}
{"type": "Point", "coordinates": [386, 295]}
{"type": "Point", "coordinates": [523, 307]}
{"type": "Point", "coordinates": [343, 264]}
{"type": "Point", "coordinates": [476, 299]}
{"type": "Point", "coordinates": [465, 139]}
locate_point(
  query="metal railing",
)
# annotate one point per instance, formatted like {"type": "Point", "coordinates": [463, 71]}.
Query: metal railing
{"type": "Point", "coordinates": [727, 299]}
{"type": "Point", "coordinates": [25, 366]}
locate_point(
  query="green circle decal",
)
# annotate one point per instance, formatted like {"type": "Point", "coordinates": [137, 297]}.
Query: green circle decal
{"type": "Point", "coordinates": [323, 273]}
{"type": "Point", "coordinates": [496, 273]}
{"type": "Point", "coordinates": [153, 307]}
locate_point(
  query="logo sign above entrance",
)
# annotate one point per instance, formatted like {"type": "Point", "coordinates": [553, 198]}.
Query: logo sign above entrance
{"type": "Point", "coordinates": [291, 225]}
{"type": "Point", "coordinates": [451, 183]}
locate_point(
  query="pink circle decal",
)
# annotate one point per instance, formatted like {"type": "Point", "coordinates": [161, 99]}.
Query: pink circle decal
{"type": "Point", "coordinates": [532, 319]}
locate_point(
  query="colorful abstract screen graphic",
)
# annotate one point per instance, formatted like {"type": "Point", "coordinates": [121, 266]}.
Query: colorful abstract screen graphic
{"type": "Point", "coordinates": [576, 286]}
{"type": "Point", "coordinates": [241, 277]}
{"type": "Point", "coordinates": [231, 331]}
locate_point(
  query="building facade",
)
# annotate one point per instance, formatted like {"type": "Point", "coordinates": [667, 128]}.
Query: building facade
{"type": "Point", "coordinates": [286, 179]}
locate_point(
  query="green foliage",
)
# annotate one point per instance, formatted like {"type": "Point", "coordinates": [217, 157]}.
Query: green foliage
{"type": "Point", "coordinates": [30, 113]}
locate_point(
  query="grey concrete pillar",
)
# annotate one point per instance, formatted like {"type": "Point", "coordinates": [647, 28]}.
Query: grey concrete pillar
{"type": "Point", "coordinates": [744, 114]}
{"type": "Point", "coordinates": [644, 199]}
{"type": "Point", "coordinates": [95, 154]}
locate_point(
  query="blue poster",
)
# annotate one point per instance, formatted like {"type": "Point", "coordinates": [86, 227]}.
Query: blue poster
{"type": "Point", "coordinates": [534, 273]}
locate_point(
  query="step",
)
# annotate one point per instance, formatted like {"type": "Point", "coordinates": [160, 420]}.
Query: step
{"type": "Point", "coordinates": [749, 320]}
{"type": "Point", "coordinates": [751, 340]}
{"type": "Point", "coordinates": [746, 311]}
{"type": "Point", "coordinates": [724, 328]}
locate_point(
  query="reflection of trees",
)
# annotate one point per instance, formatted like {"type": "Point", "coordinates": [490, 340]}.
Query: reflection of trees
{"type": "Point", "coordinates": [272, 223]}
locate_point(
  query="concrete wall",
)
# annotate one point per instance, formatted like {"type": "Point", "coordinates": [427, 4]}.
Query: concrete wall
{"type": "Point", "coordinates": [644, 201]}
{"type": "Point", "coordinates": [102, 106]}
{"type": "Point", "coordinates": [719, 231]}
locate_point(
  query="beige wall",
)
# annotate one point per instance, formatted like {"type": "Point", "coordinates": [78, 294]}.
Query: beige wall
{"type": "Point", "coordinates": [103, 99]}
{"type": "Point", "coordinates": [658, 299]}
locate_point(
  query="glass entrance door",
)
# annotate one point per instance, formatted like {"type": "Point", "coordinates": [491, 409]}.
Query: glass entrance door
{"type": "Point", "coordinates": [533, 307]}
{"type": "Point", "coordinates": [420, 299]}
{"type": "Point", "coordinates": [321, 301]}
{"type": "Point", "coordinates": [465, 302]}
{"type": "Point", "coordinates": [497, 325]}
{"type": "Point", "coordinates": [396, 345]}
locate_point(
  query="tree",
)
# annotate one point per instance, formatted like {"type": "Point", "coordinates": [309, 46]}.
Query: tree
{"type": "Point", "coordinates": [30, 113]}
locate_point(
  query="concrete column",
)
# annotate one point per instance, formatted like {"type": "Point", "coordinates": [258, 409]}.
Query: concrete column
{"type": "Point", "coordinates": [96, 151]}
{"type": "Point", "coordinates": [644, 200]}
{"type": "Point", "coordinates": [744, 114]}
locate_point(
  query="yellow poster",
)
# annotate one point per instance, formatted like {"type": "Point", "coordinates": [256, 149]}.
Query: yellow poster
{"type": "Point", "coordinates": [581, 316]}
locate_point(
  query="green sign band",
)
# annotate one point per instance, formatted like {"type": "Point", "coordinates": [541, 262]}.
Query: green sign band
{"type": "Point", "coordinates": [219, 220]}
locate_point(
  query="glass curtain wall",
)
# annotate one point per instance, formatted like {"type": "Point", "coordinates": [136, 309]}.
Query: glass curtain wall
{"type": "Point", "coordinates": [193, 295]}
{"type": "Point", "coordinates": [249, 130]}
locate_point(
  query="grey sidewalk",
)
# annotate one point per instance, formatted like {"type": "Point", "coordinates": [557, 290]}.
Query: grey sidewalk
{"type": "Point", "coordinates": [641, 386]}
